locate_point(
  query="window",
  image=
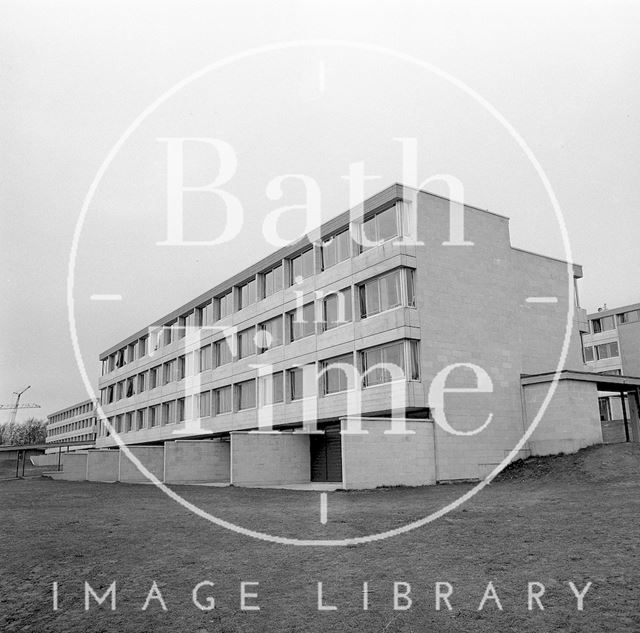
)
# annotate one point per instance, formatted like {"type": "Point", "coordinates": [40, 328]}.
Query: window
{"type": "Point", "coordinates": [131, 352]}
{"type": "Point", "coordinates": [271, 281]}
{"type": "Point", "coordinates": [142, 346]}
{"type": "Point", "coordinates": [336, 249]}
{"type": "Point", "coordinates": [120, 361]}
{"type": "Point", "coordinates": [130, 387]}
{"type": "Point", "coordinates": [633, 316]}
{"type": "Point", "coordinates": [246, 343]}
{"type": "Point", "coordinates": [111, 362]}
{"type": "Point", "coordinates": [296, 383]}
{"type": "Point", "coordinates": [204, 358]}
{"type": "Point", "coordinates": [246, 294]}
{"type": "Point", "coordinates": [168, 332]}
{"type": "Point", "coordinates": [153, 377]}
{"type": "Point", "coordinates": [378, 229]}
{"type": "Point", "coordinates": [181, 367]}
{"type": "Point", "coordinates": [222, 352]}
{"type": "Point", "coordinates": [270, 334]}
{"type": "Point", "coordinates": [603, 324]}
{"type": "Point", "coordinates": [204, 404]}
{"type": "Point", "coordinates": [246, 395]}
{"type": "Point", "coordinates": [270, 389]}
{"type": "Point", "coordinates": [222, 400]}
{"type": "Point", "coordinates": [301, 322]}
{"type": "Point", "coordinates": [120, 390]}
{"type": "Point", "coordinates": [301, 267]}
{"type": "Point", "coordinates": [392, 354]}
{"type": "Point", "coordinates": [386, 292]}
{"type": "Point", "coordinates": [607, 350]}
{"type": "Point", "coordinates": [142, 382]}
{"type": "Point", "coordinates": [168, 372]}
{"type": "Point", "coordinates": [224, 305]}
{"type": "Point", "coordinates": [140, 419]}
{"type": "Point", "coordinates": [153, 416]}
{"type": "Point", "coordinates": [180, 410]}
{"type": "Point", "coordinates": [588, 354]}
{"type": "Point", "coordinates": [336, 309]}
{"type": "Point", "coordinates": [336, 379]}
{"type": "Point", "coordinates": [181, 330]}
{"type": "Point", "coordinates": [203, 314]}
{"type": "Point", "coordinates": [168, 412]}
{"type": "Point", "coordinates": [127, 422]}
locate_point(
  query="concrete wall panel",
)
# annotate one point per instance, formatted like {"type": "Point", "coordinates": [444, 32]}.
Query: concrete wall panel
{"type": "Point", "coordinates": [151, 457]}
{"type": "Point", "coordinates": [197, 461]}
{"type": "Point", "coordinates": [261, 459]}
{"type": "Point", "coordinates": [102, 466]}
{"type": "Point", "coordinates": [376, 459]}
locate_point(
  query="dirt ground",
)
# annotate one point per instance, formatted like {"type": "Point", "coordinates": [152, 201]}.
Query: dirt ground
{"type": "Point", "coordinates": [553, 521]}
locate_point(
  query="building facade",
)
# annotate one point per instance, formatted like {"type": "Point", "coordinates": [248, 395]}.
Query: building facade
{"type": "Point", "coordinates": [293, 341]}
{"type": "Point", "coordinates": [612, 347]}
{"type": "Point", "coordinates": [77, 423]}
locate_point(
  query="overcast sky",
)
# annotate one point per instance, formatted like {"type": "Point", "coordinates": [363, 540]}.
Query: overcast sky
{"type": "Point", "coordinates": [74, 75]}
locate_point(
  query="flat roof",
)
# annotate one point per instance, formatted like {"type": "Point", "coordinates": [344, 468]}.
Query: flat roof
{"type": "Point", "coordinates": [604, 381]}
{"type": "Point", "coordinates": [385, 197]}
{"type": "Point", "coordinates": [23, 447]}
{"type": "Point", "coordinates": [73, 406]}
{"type": "Point", "coordinates": [612, 311]}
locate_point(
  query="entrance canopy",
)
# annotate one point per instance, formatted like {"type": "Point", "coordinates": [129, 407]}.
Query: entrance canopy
{"type": "Point", "coordinates": [604, 382]}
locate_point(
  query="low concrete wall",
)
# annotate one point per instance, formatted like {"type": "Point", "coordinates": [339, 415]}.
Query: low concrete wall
{"type": "Point", "coordinates": [379, 459]}
{"type": "Point", "coordinates": [46, 459]}
{"type": "Point", "coordinates": [151, 457]}
{"type": "Point", "coordinates": [74, 466]}
{"type": "Point", "coordinates": [570, 422]}
{"type": "Point", "coordinates": [103, 465]}
{"type": "Point", "coordinates": [194, 461]}
{"type": "Point", "coordinates": [263, 459]}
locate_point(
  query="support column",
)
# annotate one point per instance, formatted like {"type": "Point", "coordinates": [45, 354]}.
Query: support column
{"type": "Point", "coordinates": [624, 417]}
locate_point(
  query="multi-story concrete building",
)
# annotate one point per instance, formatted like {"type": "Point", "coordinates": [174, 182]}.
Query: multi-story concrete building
{"type": "Point", "coordinates": [612, 346]}
{"type": "Point", "coordinates": [383, 309]}
{"type": "Point", "coordinates": [77, 423]}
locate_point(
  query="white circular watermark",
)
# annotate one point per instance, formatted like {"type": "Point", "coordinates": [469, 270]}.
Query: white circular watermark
{"type": "Point", "coordinates": [371, 48]}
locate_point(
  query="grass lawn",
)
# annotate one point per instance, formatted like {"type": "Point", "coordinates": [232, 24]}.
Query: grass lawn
{"type": "Point", "coordinates": [555, 520]}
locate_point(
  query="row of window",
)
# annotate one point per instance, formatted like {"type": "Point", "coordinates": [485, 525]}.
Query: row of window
{"type": "Point", "coordinates": [378, 365]}
{"type": "Point", "coordinates": [379, 228]}
{"type": "Point", "coordinates": [72, 426]}
{"type": "Point", "coordinates": [376, 295]}
{"type": "Point", "coordinates": [86, 437]}
{"type": "Point", "coordinates": [70, 413]}
{"type": "Point", "coordinates": [604, 324]}
{"type": "Point", "coordinates": [600, 352]}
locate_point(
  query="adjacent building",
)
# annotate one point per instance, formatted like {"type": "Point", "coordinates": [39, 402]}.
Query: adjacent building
{"type": "Point", "coordinates": [77, 423]}
{"type": "Point", "coordinates": [612, 346]}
